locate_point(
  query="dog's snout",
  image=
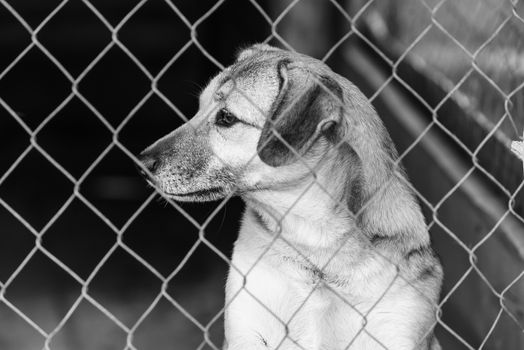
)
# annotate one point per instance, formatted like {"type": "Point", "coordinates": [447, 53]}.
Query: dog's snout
{"type": "Point", "coordinates": [151, 161]}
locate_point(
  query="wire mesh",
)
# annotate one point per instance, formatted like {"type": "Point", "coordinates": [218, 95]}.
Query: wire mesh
{"type": "Point", "coordinates": [74, 81]}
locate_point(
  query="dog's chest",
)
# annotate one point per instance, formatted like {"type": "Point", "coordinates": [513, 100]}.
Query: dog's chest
{"type": "Point", "coordinates": [310, 255]}
{"type": "Point", "coordinates": [325, 291]}
{"type": "Point", "coordinates": [311, 274]}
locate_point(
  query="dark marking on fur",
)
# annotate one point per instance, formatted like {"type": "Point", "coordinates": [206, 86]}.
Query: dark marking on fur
{"type": "Point", "coordinates": [354, 200]}
{"type": "Point", "coordinates": [419, 251]}
{"type": "Point", "coordinates": [314, 270]}
{"type": "Point", "coordinates": [428, 272]}
{"type": "Point", "coordinates": [286, 122]}
{"type": "Point", "coordinates": [378, 239]}
{"type": "Point", "coordinates": [259, 220]}
{"type": "Point", "coordinates": [423, 260]}
{"type": "Point", "coordinates": [331, 132]}
{"type": "Point", "coordinates": [316, 273]}
{"type": "Point", "coordinates": [223, 79]}
{"type": "Point", "coordinates": [397, 242]}
{"type": "Point", "coordinates": [248, 68]}
{"type": "Point", "coordinates": [262, 339]}
{"type": "Point", "coordinates": [354, 186]}
{"type": "Point", "coordinates": [296, 115]}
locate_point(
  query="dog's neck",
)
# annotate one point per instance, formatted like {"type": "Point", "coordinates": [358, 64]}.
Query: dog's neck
{"type": "Point", "coordinates": [310, 212]}
{"type": "Point", "coordinates": [322, 210]}
{"type": "Point", "coordinates": [302, 215]}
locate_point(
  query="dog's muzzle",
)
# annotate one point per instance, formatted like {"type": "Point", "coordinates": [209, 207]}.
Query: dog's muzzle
{"type": "Point", "coordinates": [151, 161]}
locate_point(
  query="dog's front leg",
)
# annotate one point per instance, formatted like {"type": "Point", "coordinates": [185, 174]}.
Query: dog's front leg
{"type": "Point", "coordinates": [265, 311]}
{"type": "Point", "coordinates": [248, 324]}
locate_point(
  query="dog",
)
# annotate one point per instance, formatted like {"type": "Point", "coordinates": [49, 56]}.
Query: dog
{"type": "Point", "coordinates": [333, 251]}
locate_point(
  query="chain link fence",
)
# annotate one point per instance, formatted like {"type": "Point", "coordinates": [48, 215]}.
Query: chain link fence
{"type": "Point", "coordinates": [482, 73]}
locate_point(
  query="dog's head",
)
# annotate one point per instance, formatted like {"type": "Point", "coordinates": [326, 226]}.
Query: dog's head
{"type": "Point", "coordinates": [265, 121]}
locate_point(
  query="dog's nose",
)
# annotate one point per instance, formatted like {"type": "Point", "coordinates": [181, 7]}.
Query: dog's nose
{"type": "Point", "coordinates": [151, 162]}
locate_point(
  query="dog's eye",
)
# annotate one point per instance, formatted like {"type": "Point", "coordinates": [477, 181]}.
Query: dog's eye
{"type": "Point", "coordinates": [225, 118]}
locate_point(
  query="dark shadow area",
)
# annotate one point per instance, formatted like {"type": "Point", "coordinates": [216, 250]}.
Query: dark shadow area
{"type": "Point", "coordinates": [74, 137]}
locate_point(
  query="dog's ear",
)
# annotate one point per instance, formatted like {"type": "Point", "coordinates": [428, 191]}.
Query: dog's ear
{"type": "Point", "coordinates": [253, 49]}
{"type": "Point", "coordinates": [306, 107]}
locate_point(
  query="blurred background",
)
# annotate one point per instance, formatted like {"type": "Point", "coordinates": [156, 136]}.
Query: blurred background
{"type": "Point", "coordinates": [91, 258]}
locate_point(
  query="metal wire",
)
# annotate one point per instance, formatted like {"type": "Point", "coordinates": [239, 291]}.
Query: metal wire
{"type": "Point", "coordinates": [202, 240]}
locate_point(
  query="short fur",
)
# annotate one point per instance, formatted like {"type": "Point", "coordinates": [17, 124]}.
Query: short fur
{"type": "Point", "coordinates": [333, 249]}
